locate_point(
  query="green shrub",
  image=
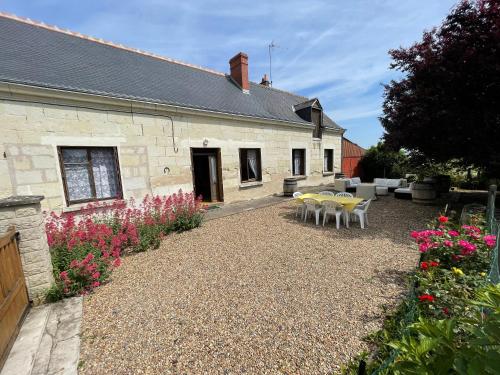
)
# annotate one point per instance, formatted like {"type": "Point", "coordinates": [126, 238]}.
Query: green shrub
{"type": "Point", "coordinates": [85, 249]}
{"type": "Point", "coordinates": [462, 345]}
{"type": "Point", "coordinates": [449, 322]}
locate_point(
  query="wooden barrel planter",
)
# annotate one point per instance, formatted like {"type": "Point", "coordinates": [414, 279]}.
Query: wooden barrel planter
{"type": "Point", "coordinates": [289, 186]}
{"type": "Point", "coordinates": [423, 193]}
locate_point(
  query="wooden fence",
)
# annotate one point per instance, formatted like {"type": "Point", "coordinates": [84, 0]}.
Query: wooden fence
{"type": "Point", "coordinates": [13, 293]}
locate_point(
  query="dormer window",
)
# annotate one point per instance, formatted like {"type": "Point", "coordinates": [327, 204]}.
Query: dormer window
{"type": "Point", "coordinates": [311, 111]}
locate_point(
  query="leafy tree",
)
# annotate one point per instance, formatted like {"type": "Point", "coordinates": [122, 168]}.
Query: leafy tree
{"type": "Point", "coordinates": [447, 106]}
{"type": "Point", "coordinates": [381, 161]}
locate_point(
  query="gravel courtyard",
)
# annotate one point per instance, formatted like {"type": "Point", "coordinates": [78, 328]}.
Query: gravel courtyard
{"type": "Point", "coordinates": [257, 292]}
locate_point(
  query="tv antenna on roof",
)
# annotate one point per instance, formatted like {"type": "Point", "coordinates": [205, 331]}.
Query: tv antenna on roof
{"type": "Point", "coordinates": [271, 46]}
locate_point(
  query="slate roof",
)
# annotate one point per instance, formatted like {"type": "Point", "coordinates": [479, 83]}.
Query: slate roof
{"type": "Point", "coordinates": [308, 103]}
{"type": "Point", "coordinates": [38, 55]}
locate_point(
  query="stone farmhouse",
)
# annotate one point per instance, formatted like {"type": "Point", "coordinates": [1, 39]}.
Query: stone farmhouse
{"type": "Point", "coordinates": [82, 119]}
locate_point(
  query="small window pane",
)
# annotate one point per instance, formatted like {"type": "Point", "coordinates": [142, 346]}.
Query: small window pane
{"type": "Point", "coordinates": [252, 164]}
{"type": "Point", "coordinates": [78, 182]}
{"type": "Point", "coordinates": [74, 155]}
{"type": "Point", "coordinates": [104, 169]}
{"type": "Point", "coordinates": [77, 174]}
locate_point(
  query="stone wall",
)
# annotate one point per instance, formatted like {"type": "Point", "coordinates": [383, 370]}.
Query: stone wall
{"type": "Point", "coordinates": [24, 212]}
{"type": "Point", "coordinates": [145, 140]}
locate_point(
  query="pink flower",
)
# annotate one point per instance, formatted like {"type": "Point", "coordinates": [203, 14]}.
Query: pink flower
{"type": "Point", "coordinates": [106, 229]}
{"type": "Point", "coordinates": [490, 240]}
{"type": "Point", "coordinates": [424, 247]}
{"type": "Point", "coordinates": [453, 233]}
{"type": "Point", "coordinates": [88, 258]}
{"type": "Point", "coordinates": [472, 231]}
{"type": "Point", "coordinates": [471, 228]}
{"type": "Point", "coordinates": [448, 243]}
{"type": "Point", "coordinates": [467, 247]}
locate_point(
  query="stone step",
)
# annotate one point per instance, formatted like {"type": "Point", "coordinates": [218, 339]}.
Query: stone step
{"type": "Point", "coordinates": [24, 351]}
{"type": "Point", "coordinates": [48, 342]}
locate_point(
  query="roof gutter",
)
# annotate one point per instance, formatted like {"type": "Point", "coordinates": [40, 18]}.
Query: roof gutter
{"type": "Point", "coordinates": [129, 105]}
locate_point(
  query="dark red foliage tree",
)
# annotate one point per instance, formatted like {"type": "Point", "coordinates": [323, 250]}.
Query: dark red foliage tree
{"type": "Point", "coordinates": [447, 107]}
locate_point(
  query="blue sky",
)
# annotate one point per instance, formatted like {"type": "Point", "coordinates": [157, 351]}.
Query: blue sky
{"type": "Point", "coordinates": [335, 50]}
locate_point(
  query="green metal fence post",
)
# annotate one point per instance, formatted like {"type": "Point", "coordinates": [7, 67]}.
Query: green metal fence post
{"type": "Point", "coordinates": [494, 275]}
{"type": "Point", "coordinates": [490, 209]}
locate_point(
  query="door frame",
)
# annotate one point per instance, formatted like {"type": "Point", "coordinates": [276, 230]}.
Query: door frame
{"type": "Point", "coordinates": [218, 156]}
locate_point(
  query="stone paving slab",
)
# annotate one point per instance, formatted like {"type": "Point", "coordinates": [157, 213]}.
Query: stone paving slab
{"type": "Point", "coordinates": [248, 205]}
{"type": "Point", "coordinates": [48, 342]}
{"type": "Point", "coordinates": [22, 355]}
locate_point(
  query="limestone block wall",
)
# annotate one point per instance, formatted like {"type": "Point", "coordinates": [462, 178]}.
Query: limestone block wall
{"type": "Point", "coordinates": [25, 213]}
{"type": "Point", "coordinates": [154, 148]}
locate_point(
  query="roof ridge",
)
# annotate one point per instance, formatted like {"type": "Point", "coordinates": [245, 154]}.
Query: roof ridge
{"type": "Point", "coordinates": [280, 90]}
{"type": "Point", "coordinates": [55, 28]}
{"type": "Point", "coordinates": [29, 21]}
{"type": "Point", "coordinates": [354, 143]}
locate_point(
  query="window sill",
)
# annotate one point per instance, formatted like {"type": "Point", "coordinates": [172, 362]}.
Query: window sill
{"type": "Point", "coordinates": [245, 185]}
{"type": "Point", "coordinates": [75, 207]}
{"type": "Point", "coordinates": [316, 139]}
{"type": "Point", "coordinates": [328, 174]}
{"type": "Point", "coordinates": [299, 177]}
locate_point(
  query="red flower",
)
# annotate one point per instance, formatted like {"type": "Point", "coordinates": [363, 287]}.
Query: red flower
{"type": "Point", "coordinates": [424, 266]}
{"type": "Point", "coordinates": [443, 219]}
{"type": "Point", "coordinates": [106, 229]}
{"type": "Point", "coordinates": [434, 264]}
{"type": "Point", "coordinates": [446, 311]}
{"type": "Point", "coordinates": [426, 298]}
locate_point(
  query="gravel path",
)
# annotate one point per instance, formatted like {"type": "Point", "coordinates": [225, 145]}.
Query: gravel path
{"type": "Point", "coordinates": [256, 292]}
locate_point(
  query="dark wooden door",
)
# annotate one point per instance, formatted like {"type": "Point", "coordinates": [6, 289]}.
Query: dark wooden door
{"type": "Point", "coordinates": [207, 173]}
{"type": "Point", "coordinates": [13, 294]}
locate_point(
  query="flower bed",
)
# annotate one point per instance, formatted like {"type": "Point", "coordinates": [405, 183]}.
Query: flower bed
{"type": "Point", "coordinates": [449, 322]}
{"type": "Point", "coordinates": [86, 248]}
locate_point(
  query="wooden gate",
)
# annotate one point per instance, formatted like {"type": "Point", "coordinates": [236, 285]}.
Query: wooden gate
{"type": "Point", "coordinates": [13, 294]}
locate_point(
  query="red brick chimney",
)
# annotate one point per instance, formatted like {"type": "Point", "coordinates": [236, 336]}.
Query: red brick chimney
{"type": "Point", "coordinates": [265, 81]}
{"type": "Point", "coordinates": [239, 70]}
